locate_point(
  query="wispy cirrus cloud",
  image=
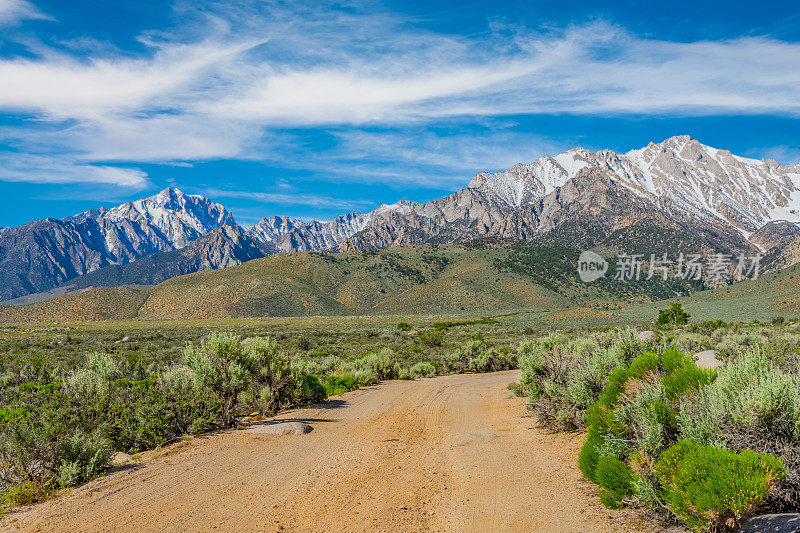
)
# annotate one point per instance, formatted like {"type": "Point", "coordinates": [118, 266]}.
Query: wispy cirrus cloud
{"type": "Point", "coordinates": [303, 199]}
{"type": "Point", "coordinates": [782, 154]}
{"type": "Point", "coordinates": [225, 82]}
{"type": "Point", "coordinates": [63, 169]}
{"type": "Point", "coordinates": [14, 11]}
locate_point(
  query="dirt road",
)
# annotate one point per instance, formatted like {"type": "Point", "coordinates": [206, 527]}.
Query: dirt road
{"type": "Point", "coordinates": [453, 453]}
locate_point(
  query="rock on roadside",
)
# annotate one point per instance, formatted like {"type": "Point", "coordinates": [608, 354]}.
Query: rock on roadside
{"type": "Point", "coordinates": [282, 428]}
{"type": "Point", "coordinates": [707, 359]}
{"type": "Point", "coordinates": [647, 335]}
{"type": "Point", "coordinates": [772, 523]}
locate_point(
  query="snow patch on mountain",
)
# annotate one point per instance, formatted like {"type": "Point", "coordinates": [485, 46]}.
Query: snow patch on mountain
{"type": "Point", "coordinates": [679, 172]}
{"type": "Point", "coordinates": [181, 217]}
{"type": "Point", "coordinates": [269, 229]}
{"type": "Point", "coordinates": [165, 221]}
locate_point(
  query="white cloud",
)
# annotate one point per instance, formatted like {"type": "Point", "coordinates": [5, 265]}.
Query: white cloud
{"type": "Point", "coordinates": [312, 200]}
{"type": "Point", "coordinates": [417, 157]}
{"type": "Point", "coordinates": [223, 83]}
{"type": "Point", "coordinates": [64, 169]}
{"type": "Point", "coordinates": [14, 11]}
{"type": "Point", "coordinates": [784, 155]}
{"type": "Point", "coordinates": [407, 75]}
{"type": "Point", "coordinates": [61, 86]}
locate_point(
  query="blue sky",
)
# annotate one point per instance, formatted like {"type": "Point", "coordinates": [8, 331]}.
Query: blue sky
{"type": "Point", "coordinates": [312, 109]}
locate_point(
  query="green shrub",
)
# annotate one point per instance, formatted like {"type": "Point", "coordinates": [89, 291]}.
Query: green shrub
{"type": "Point", "coordinates": [564, 377]}
{"type": "Point", "coordinates": [82, 457]}
{"type": "Point", "coordinates": [431, 337]}
{"type": "Point", "coordinates": [751, 405]}
{"type": "Point", "coordinates": [273, 380]}
{"type": "Point", "coordinates": [339, 384]}
{"type": "Point", "coordinates": [383, 363]}
{"type": "Point", "coordinates": [24, 493]}
{"type": "Point", "coordinates": [636, 415]}
{"type": "Point", "coordinates": [422, 369]}
{"type": "Point", "coordinates": [10, 415]}
{"type": "Point", "coordinates": [517, 388]}
{"type": "Point", "coordinates": [492, 361]}
{"type": "Point", "coordinates": [29, 445]}
{"type": "Point", "coordinates": [674, 315]}
{"type": "Point", "coordinates": [590, 454]}
{"type": "Point", "coordinates": [365, 376]}
{"type": "Point", "coordinates": [711, 488]}
{"type": "Point", "coordinates": [97, 379]}
{"type": "Point", "coordinates": [310, 390]}
{"type": "Point", "coordinates": [457, 360]}
{"type": "Point", "coordinates": [222, 365]}
{"type": "Point", "coordinates": [616, 478]}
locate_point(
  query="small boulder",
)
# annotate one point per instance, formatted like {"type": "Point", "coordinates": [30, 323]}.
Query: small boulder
{"type": "Point", "coordinates": [772, 523]}
{"type": "Point", "coordinates": [120, 458]}
{"type": "Point", "coordinates": [282, 428]}
{"type": "Point", "coordinates": [647, 335]}
{"type": "Point", "coordinates": [707, 359]}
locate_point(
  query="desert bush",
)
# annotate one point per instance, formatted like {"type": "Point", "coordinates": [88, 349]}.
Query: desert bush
{"type": "Point", "coordinates": [517, 388]}
{"type": "Point", "coordinates": [82, 456]}
{"type": "Point", "coordinates": [25, 493]}
{"type": "Point", "coordinates": [431, 337]}
{"type": "Point", "coordinates": [381, 364]}
{"type": "Point", "coordinates": [339, 384]}
{"type": "Point", "coordinates": [493, 360]}
{"type": "Point", "coordinates": [691, 342]}
{"type": "Point", "coordinates": [422, 369]}
{"type": "Point", "coordinates": [616, 479]}
{"type": "Point", "coordinates": [365, 376]}
{"type": "Point", "coordinates": [707, 327]}
{"type": "Point", "coordinates": [273, 380]}
{"type": "Point", "coordinates": [712, 489]}
{"type": "Point", "coordinates": [171, 406]}
{"type": "Point", "coordinates": [751, 405]}
{"type": "Point", "coordinates": [457, 360]}
{"type": "Point", "coordinates": [45, 446]}
{"type": "Point", "coordinates": [563, 377]}
{"type": "Point", "coordinates": [679, 439]}
{"type": "Point", "coordinates": [222, 365]}
{"type": "Point", "coordinates": [309, 389]}
{"type": "Point", "coordinates": [633, 421]}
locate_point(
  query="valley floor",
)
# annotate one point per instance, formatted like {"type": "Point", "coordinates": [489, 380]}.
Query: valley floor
{"type": "Point", "coordinates": [453, 453]}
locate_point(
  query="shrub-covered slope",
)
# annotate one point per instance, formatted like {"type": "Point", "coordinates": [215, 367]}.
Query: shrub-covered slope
{"type": "Point", "coordinates": [495, 275]}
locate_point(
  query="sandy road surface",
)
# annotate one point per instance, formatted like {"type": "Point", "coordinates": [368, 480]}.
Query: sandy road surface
{"type": "Point", "coordinates": [446, 454]}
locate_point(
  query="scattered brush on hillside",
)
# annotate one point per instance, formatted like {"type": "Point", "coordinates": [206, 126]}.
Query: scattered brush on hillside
{"type": "Point", "coordinates": [413, 279]}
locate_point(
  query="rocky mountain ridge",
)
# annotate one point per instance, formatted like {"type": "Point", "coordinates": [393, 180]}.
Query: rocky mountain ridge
{"type": "Point", "coordinates": [678, 193]}
{"type": "Point", "coordinates": [45, 253]}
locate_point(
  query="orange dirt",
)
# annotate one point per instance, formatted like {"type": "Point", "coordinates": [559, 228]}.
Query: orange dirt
{"type": "Point", "coordinates": [454, 453]}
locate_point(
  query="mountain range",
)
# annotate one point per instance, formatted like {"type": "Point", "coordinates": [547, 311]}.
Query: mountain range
{"type": "Point", "coordinates": [675, 196]}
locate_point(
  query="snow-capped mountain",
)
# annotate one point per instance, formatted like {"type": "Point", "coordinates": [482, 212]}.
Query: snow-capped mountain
{"type": "Point", "coordinates": [269, 229]}
{"type": "Point", "coordinates": [680, 173]}
{"type": "Point", "coordinates": [681, 178]}
{"type": "Point", "coordinates": [677, 192]}
{"type": "Point", "coordinates": [166, 221]}
{"type": "Point", "coordinates": [292, 235]}
{"type": "Point", "coordinates": [42, 254]}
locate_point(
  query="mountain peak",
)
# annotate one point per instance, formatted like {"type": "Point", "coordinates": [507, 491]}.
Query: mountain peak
{"type": "Point", "coordinates": [168, 192]}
